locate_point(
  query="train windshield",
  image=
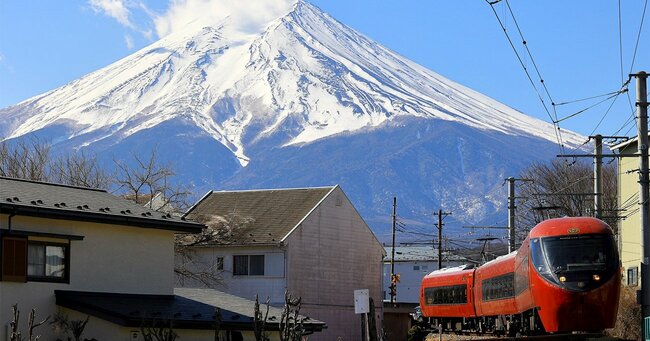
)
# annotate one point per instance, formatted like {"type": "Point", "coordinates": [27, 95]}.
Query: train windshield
{"type": "Point", "coordinates": [578, 262]}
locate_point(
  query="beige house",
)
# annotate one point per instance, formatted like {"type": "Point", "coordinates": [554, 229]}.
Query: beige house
{"type": "Point", "coordinates": [309, 241]}
{"type": "Point", "coordinates": [628, 199]}
{"type": "Point", "coordinates": [84, 252]}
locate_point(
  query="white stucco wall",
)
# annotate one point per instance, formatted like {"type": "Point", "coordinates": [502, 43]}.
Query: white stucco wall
{"type": "Point", "coordinates": [272, 285]}
{"type": "Point", "coordinates": [118, 259]}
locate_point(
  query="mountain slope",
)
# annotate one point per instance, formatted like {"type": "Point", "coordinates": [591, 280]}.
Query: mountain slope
{"type": "Point", "coordinates": [243, 108]}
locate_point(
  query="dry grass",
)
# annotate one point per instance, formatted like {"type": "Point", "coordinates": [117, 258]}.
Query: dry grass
{"type": "Point", "coordinates": [628, 320]}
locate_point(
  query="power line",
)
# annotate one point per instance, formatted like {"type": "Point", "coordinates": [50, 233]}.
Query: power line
{"type": "Point", "coordinates": [530, 79]}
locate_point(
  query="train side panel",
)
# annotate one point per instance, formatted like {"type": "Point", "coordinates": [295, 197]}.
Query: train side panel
{"type": "Point", "coordinates": [494, 287]}
{"type": "Point", "coordinates": [447, 294]}
{"type": "Point", "coordinates": [523, 294]}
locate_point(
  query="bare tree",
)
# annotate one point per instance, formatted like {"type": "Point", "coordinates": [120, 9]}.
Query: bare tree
{"type": "Point", "coordinates": [25, 159]}
{"type": "Point", "coordinates": [563, 189]}
{"type": "Point", "coordinates": [32, 159]}
{"type": "Point", "coordinates": [14, 334]}
{"type": "Point", "coordinates": [291, 323]}
{"type": "Point", "coordinates": [259, 320]}
{"type": "Point", "coordinates": [220, 230]}
{"type": "Point", "coordinates": [79, 169]}
{"type": "Point", "coordinates": [145, 177]}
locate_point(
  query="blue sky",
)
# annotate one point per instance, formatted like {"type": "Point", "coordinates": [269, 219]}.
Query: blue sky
{"type": "Point", "coordinates": [575, 44]}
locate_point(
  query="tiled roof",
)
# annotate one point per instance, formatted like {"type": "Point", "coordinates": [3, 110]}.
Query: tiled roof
{"type": "Point", "coordinates": [33, 198]}
{"type": "Point", "coordinates": [418, 253]}
{"type": "Point", "coordinates": [187, 309]}
{"type": "Point", "coordinates": [256, 216]}
{"type": "Point", "coordinates": [238, 305]}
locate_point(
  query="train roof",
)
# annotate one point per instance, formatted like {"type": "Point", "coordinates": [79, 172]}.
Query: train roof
{"type": "Point", "coordinates": [450, 270]}
{"type": "Point", "coordinates": [569, 225]}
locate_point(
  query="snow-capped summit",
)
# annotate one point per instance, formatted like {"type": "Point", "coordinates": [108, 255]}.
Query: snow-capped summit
{"type": "Point", "coordinates": [302, 79]}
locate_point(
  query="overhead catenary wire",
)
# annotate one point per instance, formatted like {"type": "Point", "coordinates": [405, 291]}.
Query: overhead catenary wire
{"type": "Point", "coordinates": [530, 78]}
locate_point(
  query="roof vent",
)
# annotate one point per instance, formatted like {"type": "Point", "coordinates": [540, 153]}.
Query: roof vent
{"type": "Point", "coordinates": [39, 201]}
{"type": "Point", "coordinates": [16, 199]}
{"type": "Point", "coordinates": [79, 207]}
{"type": "Point", "coordinates": [86, 207]}
{"type": "Point", "coordinates": [148, 214]}
{"type": "Point", "coordinates": [9, 200]}
{"type": "Point", "coordinates": [128, 211]}
{"type": "Point", "coordinates": [143, 214]}
{"type": "Point", "coordinates": [63, 204]}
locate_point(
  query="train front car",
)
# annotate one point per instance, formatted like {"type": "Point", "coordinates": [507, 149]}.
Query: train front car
{"type": "Point", "coordinates": [575, 274]}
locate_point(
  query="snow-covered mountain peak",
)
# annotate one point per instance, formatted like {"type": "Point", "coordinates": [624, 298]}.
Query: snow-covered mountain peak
{"type": "Point", "coordinates": [294, 79]}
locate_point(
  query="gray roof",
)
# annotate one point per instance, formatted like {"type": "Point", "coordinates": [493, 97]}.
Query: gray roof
{"type": "Point", "coordinates": [235, 304]}
{"type": "Point", "coordinates": [187, 309]}
{"type": "Point", "coordinates": [56, 201]}
{"type": "Point", "coordinates": [256, 216]}
{"type": "Point", "coordinates": [418, 254]}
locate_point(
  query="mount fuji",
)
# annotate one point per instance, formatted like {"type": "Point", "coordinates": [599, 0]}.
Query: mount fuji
{"type": "Point", "coordinates": [303, 101]}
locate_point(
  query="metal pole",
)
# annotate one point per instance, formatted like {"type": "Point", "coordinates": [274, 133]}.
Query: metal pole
{"type": "Point", "coordinates": [642, 123]}
{"type": "Point", "coordinates": [393, 292]}
{"type": "Point", "coordinates": [511, 214]}
{"type": "Point", "coordinates": [439, 239]}
{"type": "Point", "coordinates": [598, 176]}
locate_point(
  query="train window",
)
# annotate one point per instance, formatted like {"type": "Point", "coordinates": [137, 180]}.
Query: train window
{"type": "Point", "coordinates": [576, 258]}
{"type": "Point", "coordinates": [454, 294]}
{"type": "Point", "coordinates": [500, 287]}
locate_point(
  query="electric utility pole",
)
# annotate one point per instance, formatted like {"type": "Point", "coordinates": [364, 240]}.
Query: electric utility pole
{"type": "Point", "coordinates": [511, 214]}
{"type": "Point", "coordinates": [441, 215]}
{"type": "Point", "coordinates": [642, 142]}
{"type": "Point", "coordinates": [393, 282]}
{"type": "Point", "coordinates": [598, 176]}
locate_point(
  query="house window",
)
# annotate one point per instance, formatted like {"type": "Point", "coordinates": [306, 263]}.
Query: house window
{"type": "Point", "coordinates": [24, 260]}
{"type": "Point", "coordinates": [245, 265]}
{"type": "Point", "coordinates": [219, 263]}
{"type": "Point", "coordinates": [416, 267]}
{"type": "Point", "coordinates": [46, 261]}
{"type": "Point", "coordinates": [633, 276]}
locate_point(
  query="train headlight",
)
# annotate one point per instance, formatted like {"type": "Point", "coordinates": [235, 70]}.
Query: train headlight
{"type": "Point", "coordinates": [562, 279]}
{"type": "Point", "coordinates": [596, 278]}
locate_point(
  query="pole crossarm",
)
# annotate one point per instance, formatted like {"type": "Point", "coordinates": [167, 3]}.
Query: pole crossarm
{"type": "Point", "coordinates": [594, 155]}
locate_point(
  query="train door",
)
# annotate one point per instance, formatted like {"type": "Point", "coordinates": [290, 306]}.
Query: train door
{"type": "Point", "coordinates": [470, 291]}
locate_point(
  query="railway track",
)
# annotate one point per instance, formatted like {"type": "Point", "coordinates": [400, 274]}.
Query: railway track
{"type": "Point", "coordinates": [568, 337]}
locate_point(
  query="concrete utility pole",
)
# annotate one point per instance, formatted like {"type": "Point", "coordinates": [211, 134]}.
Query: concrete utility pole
{"type": "Point", "coordinates": [642, 142]}
{"type": "Point", "coordinates": [439, 225]}
{"type": "Point", "coordinates": [598, 176]}
{"type": "Point", "coordinates": [393, 284]}
{"type": "Point", "coordinates": [511, 214]}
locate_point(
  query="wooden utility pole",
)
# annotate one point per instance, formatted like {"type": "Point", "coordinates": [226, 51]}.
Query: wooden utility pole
{"type": "Point", "coordinates": [393, 284]}
{"type": "Point", "coordinates": [441, 215]}
{"type": "Point", "coordinates": [642, 142]}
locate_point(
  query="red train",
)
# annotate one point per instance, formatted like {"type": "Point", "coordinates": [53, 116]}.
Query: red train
{"type": "Point", "coordinates": [565, 277]}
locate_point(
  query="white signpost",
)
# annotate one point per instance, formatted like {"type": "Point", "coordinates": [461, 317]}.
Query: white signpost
{"type": "Point", "coordinates": [362, 306]}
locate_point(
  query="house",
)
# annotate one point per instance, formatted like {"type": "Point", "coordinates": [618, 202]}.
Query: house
{"type": "Point", "coordinates": [411, 263]}
{"type": "Point", "coordinates": [84, 252]}
{"type": "Point", "coordinates": [628, 198]}
{"type": "Point", "coordinates": [309, 241]}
